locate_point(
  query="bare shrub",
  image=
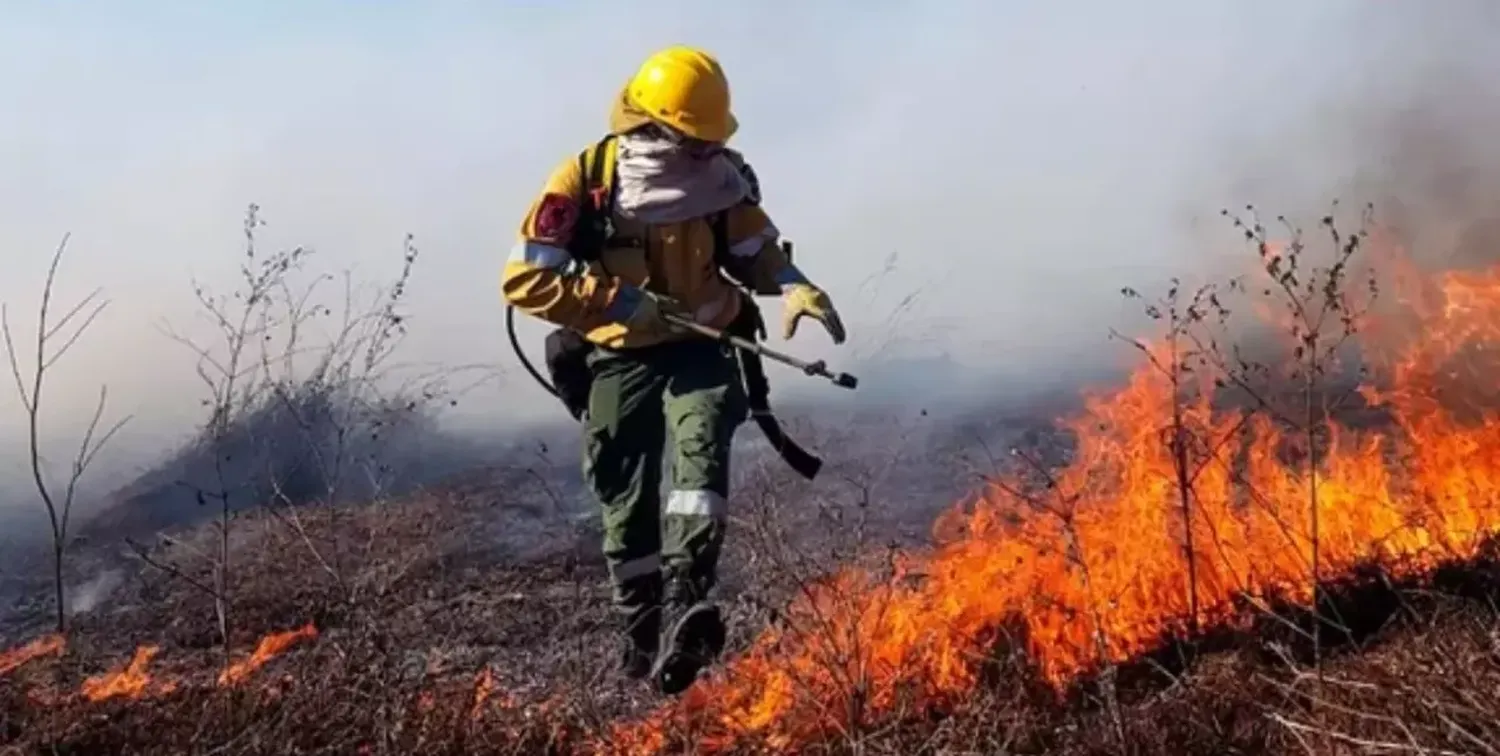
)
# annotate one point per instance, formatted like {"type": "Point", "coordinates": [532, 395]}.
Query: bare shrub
{"type": "Point", "coordinates": [305, 405]}
{"type": "Point", "coordinates": [52, 342]}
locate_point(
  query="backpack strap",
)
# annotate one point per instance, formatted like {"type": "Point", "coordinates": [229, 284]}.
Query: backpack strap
{"type": "Point", "coordinates": [600, 173]}
{"type": "Point", "coordinates": [597, 204]}
{"type": "Point", "coordinates": [751, 326]}
{"type": "Point", "coordinates": [720, 225]}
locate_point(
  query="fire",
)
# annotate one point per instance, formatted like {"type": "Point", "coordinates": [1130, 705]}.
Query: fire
{"type": "Point", "coordinates": [484, 685]}
{"type": "Point", "coordinates": [130, 682]}
{"type": "Point", "coordinates": [47, 645]}
{"type": "Point", "coordinates": [1094, 568]}
{"type": "Point", "coordinates": [269, 648]}
{"type": "Point", "coordinates": [489, 696]}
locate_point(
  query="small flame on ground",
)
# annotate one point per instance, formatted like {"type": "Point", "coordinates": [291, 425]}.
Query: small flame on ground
{"type": "Point", "coordinates": [487, 695]}
{"type": "Point", "coordinates": [47, 645]}
{"type": "Point", "coordinates": [130, 682]}
{"type": "Point", "coordinates": [484, 685]}
{"type": "Point", "coordinates": [269, 648]}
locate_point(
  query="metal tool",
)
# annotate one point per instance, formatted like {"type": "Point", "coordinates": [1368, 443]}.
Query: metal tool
{"type": "Point", "coordinates": [817, 368]}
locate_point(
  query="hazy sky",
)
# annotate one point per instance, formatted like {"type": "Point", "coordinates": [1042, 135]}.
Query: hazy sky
{"type": "Point", "coordinates": [1019, 161]}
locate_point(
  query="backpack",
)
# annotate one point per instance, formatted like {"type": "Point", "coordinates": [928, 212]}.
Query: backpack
{"type": "Point", "coordinates": [567, 351]}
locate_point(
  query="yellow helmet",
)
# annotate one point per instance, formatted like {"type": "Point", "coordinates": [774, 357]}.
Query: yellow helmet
{"type": "Point", "coordinates": [685, 88]}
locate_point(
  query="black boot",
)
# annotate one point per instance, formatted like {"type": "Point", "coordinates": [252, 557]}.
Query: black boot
{"type": "Point", "coordinates": [639, 643]}
{"type": "Point", "coordinates": [694, 637]}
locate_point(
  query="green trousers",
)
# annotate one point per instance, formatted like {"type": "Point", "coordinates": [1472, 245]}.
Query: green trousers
{"type": "Point", "coordinates": [686, 394]}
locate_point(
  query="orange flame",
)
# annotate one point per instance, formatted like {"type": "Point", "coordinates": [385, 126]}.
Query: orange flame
{"type": "Point", "coordinates": [269, 648]}
{"type": "Point", "coordinates": [130, 682]}
{"type": "Point", "coordinates": [15, 658]}
{"type": "Point", "coordinates": [484, 685]}
{"type": "Point", "coordinates": [1093, 569]}
{"type": "Point", "coordinates": [487, 694]}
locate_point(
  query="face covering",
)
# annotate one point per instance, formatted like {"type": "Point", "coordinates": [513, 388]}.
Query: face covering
{"type": "Point", "coordinates": [665, 178]}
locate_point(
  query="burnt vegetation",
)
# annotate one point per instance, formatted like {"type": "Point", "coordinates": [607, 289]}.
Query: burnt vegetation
{"type": "Point", "coordinates": [471, 616]}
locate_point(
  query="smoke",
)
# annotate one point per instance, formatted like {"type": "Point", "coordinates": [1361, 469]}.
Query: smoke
{"type": "Point", "coordinates": [315, 443]}
{"type": "Point", "coordinates": [84, 597]}
{"type": "Point", "coordinates": [1410, 130]}
{"type": "Point", "coordinates": [1436, 170]}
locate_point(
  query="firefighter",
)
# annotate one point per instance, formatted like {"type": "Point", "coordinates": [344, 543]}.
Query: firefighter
{"type": "Point", "coordinates": [671, 193]}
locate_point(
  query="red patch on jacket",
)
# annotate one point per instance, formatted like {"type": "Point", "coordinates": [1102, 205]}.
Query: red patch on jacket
{"type": "Point", "coordinates": [555, 218]}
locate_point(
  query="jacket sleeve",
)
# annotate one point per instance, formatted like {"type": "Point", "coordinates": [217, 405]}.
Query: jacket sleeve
{"type": "Point", "coordinates": [755, 253]}
{"type": "Point", "coordinates": [540, 279]}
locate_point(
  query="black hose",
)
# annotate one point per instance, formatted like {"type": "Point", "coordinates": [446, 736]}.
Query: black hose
{"type": "Point", "coordinates": [515, 344]}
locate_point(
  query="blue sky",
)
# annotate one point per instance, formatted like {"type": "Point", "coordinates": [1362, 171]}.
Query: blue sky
{"type": "Point", "coordinates": [1019, 161]}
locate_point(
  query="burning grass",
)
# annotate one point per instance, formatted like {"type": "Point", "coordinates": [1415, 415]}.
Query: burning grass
{"type": "Point", "coordinates": [1110, 553]}
{"type": "Point", "coordinates": [1415, 655]}
{"type": "Point", "coordinates": [46, 645]}
{"type": "Point", "coordinates": [1194, 578]}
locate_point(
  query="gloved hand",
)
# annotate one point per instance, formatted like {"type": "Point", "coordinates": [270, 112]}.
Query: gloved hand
{"type": "Point", "coordinates": [642, 311]}
{"type": "Point", "coordinates": [805, 300]}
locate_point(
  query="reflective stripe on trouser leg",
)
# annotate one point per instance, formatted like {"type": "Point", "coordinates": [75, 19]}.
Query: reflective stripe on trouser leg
{"type": "Point", "coordinates": [704, 402]}
{"type": "Point", "coordinates": [700, 502]}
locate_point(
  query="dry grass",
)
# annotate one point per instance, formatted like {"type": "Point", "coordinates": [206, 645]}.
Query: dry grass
{"type": "Point", "coordinates": [455, 643]}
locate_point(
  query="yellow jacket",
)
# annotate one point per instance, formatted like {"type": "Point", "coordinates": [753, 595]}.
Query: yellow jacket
{"type": "Point", "coordinates": [675, 260]}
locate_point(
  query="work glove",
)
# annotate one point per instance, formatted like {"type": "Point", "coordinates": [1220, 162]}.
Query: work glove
{"type": "Point", "coordinates": [644, 311]}
{"type": "Point", "coordinates": [805, 300]}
